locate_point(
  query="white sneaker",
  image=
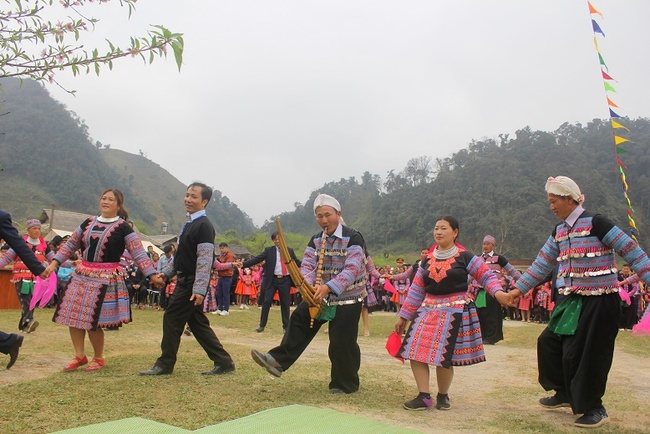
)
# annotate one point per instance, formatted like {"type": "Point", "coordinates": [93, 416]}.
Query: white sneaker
{"type": "Point", "coordinates": [224, 313]}
{"type": "Point", "coordinates": [216, 312]}
{"type": "Point", "coordinates": [241, 306]}
{"type": "Point", "coordinates": [246, 307]}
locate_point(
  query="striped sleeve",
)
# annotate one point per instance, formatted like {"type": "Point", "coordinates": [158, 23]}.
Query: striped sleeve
{"type": "Point", "coordinates": [204, 255]}
{"type": "Point", "coordinates": [541, 267]}
{"type": "Point", "coordinates": [625, 246]}
{"type": "Point", "coordinates": [308, 266]}
{"type": "Point", "coordinates": [133, 245]}
{"type": "Point", "coordinates": [8, 258]}
{"type": "Point", "coordinates": [414, 297]}
{"type": "Point", "coordinates": [483, 274]}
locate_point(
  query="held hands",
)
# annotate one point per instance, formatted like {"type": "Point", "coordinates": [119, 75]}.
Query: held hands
{"type": "Point", "coordinates": [507, 298]}
{"type": "Point", "coordinates": [321, 292]}
{"type": "Point", "coordinates": [197, 299]}
{"type": "Point", "coordinates": [50, 268]}
{"type": "Point", "coordinates": [157, 280]}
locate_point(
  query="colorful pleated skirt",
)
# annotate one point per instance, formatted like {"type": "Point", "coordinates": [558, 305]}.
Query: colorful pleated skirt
{"type": "Point", "coordinates": [96, 297]}
{"type": "Point", "coordinates": [445, 332]}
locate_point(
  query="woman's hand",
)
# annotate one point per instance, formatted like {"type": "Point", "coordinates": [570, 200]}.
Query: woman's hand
{"type": "Point", "coordinates": [400, 325]}
{"type": "Point", "coordinates": [506, 298]}
{"type": "Point", "coordinates": [50, 268]}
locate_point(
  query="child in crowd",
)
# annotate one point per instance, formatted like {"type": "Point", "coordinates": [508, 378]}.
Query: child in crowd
{"type": "Point", "coordinates": [245, 288]}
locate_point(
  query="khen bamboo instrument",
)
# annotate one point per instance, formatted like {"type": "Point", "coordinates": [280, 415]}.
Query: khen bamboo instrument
{"type": "Point", "coordinates": [304, 287]}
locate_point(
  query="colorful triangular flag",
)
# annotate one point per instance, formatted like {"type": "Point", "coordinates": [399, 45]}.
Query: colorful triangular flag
{"type": "Point", "coordinates": [606, 76]}
{"type": "Point", "coordinates": [612, 114]}
{"type": "Point", "coordinates": [616, 125]}
{"type": "Point", "coordinates": [593, 10]}
{"type": "Point", "coordinates": [602, 61]}
{"type": "Point", "coordinates": [611, 103]}
{"type": "Point", "coordinates": [609, 87]}
{"type": "Point", "coordinates": [597, 28]}
{"type": "Point", "coordinates": [618, 140]}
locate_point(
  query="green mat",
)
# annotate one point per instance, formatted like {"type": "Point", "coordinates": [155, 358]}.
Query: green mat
{"type": "Point", "coordinates": [296, 419]}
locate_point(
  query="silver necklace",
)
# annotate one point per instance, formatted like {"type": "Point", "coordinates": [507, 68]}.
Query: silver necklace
{"type": "Point", "coordinates": [445, 254]}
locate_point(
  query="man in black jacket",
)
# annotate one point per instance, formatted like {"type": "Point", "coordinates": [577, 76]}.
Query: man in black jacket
{"type": "Point", "coordinates": [275, 278]}
{"type": "Point", "coordinates": [10, 343]}
{"type": "Point", "coordinates": [191, 265]}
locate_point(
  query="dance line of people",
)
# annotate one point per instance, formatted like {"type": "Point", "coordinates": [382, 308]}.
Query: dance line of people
{"type": "Point", "coordinates": [439, 317]}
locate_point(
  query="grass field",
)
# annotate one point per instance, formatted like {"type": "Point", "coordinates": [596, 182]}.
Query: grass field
{"type": "Point", "coordinates": [497, 396]}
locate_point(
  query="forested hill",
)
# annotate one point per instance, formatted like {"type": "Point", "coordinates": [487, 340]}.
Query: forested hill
{"type": "Point", "coordinates": [495, 187]}
{"type": "Point", "coordinates": [49, 159]}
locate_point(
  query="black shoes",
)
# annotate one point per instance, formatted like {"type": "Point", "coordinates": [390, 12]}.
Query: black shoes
{"type": "Point", "coordinates": [593, 418]}
{"type": "Point", "coordinates": [268, 362]}
{"type": "Point", "coordinates": [15, 348]}
{"type": "Point", "coordinates": [442, 402]}
{"type": "Point", "coordinates": [555, 401]}
{"type": "Point", "coordinates": [220, 369]}
{"type": "Point", "coordinates": [217, 370]}
{"type": "Point", "coordinates": [260, 329]}
{"type": "Point", "coordinates": [419, 403]}
{"type": "Point", "coordinates": [32, 326]}
{"type": "Point", "coordinates": [156, 370]}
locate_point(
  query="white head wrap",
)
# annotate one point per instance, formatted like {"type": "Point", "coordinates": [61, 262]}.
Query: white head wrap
{"type": "Point", "coordinates": [564, 186]}
{"type": "Point", "coordinates": [326, 200]}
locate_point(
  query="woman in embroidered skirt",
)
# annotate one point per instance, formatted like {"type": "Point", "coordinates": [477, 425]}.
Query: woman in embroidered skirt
{"type": "Point", "coordinates": [97, 296]}
{"type": "Point", "coordinates": [445, 330]}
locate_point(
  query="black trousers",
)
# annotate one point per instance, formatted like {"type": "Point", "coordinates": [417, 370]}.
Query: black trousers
{"type": "Point", "coordinates": [578, 365]}
{"type": "Point", "coordinates": [27, 314]}
{"type": "Point", "coordinates": [283, 286]}
{"type": "Point", "coordinates": [179, 312]}
{"type": "Point", "coordinates": [344, 352]}
{"type": "Point", "coordinates": [7, 341]}
{"type": "Point", "coordinates": [629, 314]}
{"type": "Point", "coordinates": [491, 319]}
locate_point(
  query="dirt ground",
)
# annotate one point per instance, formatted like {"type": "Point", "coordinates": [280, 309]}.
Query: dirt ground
{"type": "Point", "coordinates": [481, 393]}
{"type": "Point", "coordinates": [484, 396]}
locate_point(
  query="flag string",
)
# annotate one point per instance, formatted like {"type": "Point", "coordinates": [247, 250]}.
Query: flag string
{"type": "Point", "coordinates": [618, 128]}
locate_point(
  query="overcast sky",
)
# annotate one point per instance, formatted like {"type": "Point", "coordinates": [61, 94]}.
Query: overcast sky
{"type": "Point", "coordinates": [277, 97]}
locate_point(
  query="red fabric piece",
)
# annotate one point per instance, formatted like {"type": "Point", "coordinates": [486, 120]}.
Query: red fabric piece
{"type": "Point", "coordinates": [393, 345]}
{"type": "Point", "coordinates": [389, 287]}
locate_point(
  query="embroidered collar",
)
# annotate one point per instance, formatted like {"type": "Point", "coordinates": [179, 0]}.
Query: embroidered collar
{"type": "Point", "coordinates": [108, 219]}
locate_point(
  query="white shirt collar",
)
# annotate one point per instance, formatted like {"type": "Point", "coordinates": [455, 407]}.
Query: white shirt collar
{"type": "Point", "coordinates": [196, 215]}
{"type": "Point", "coordinates": [573, 217]}
{"type": "Point", "coordinates": [490, 253]}
{"type": "Point", "coordinates": [338, 232]}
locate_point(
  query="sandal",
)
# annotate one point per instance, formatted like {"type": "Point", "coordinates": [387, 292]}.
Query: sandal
{"type": "Point", "coordinates": [95, 365]}
{"type": "Point", "coordinates": [76, 362]}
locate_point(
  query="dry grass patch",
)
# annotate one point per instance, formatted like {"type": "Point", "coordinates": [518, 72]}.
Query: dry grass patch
{"type": "Point", "coordinates": [498, 396]}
